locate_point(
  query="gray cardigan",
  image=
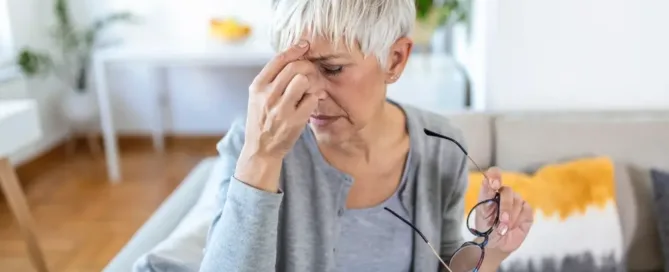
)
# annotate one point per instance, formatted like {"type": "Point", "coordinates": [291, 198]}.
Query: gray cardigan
{"type": "Point", "coordinates": [293, 230]}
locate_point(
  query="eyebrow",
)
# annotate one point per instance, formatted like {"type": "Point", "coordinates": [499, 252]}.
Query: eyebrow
{"type": "Point", "coordinates": [326, 57]}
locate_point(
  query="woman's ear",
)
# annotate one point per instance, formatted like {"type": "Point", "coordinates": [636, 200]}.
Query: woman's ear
{"type": "Point", "coordinates": [397, 58]}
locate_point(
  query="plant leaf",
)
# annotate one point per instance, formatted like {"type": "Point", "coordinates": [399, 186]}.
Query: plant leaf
{"type": "Point", "coordinates": [423, 8]}
{"type": "Point", "coordinates": [32, 62]}
{"type": "Point", "coordinates": [62, 14]}
{"type": "Point", "coordinates": [90, 37]}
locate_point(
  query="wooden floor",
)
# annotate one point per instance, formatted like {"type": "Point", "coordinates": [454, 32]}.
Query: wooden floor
{"type": "Point", "coordinates": [83, 221]}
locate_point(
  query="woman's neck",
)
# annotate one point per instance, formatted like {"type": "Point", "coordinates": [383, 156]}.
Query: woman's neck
{"type": "Point", "coordinates": [386, 129]}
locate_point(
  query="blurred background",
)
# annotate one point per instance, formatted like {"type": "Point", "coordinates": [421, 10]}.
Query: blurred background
{"type": "Point", "coordinates": [107, 106]}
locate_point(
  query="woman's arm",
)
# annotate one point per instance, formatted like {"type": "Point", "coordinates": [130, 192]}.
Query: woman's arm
{"type": "Point", "coordinates": [243, 235]}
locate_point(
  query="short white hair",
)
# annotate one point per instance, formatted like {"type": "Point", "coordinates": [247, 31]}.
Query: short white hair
{"type": "Point", "coordinates": [374, 25]}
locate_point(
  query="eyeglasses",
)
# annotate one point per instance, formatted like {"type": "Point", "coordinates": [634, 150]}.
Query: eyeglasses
{"type": "Point", "coordinates": [465, 258]}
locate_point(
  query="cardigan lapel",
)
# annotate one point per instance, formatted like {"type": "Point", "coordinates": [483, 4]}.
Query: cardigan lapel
{"type": "Point", "coordinates": [416, 199]}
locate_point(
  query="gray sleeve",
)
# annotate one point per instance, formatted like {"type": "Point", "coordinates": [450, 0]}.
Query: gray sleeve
{"type": "Point", "coordinates": [454, 214]}
{"type": "Point", "coordinates": [243, 234]}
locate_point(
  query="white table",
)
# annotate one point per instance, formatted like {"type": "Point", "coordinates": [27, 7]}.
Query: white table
{"type": "Point", "coordinates": [161, 55]}
{"type": "Point", "coordinates": [19, 127]}
{"type": "Point", "coordinates": [423, 83]}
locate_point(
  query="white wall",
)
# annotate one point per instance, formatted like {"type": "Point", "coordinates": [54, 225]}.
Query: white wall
{"type": "Point", "coordinates": [29, 19]}
{"type": "Point", "coordinates": [577, 54]}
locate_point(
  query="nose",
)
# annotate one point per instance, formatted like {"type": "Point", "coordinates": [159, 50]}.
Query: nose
{"type": "Point", "coordinates": [321, 93]}
{"type": "Point", "coordinates": [318, 86]}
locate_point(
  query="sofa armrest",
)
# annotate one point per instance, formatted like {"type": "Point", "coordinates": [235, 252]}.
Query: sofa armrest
{"type": "Point", "coordinates": [168, 216]}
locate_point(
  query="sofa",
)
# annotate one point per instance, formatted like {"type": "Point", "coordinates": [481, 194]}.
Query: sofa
{"type": "Point", "coordinates": [510, 140]}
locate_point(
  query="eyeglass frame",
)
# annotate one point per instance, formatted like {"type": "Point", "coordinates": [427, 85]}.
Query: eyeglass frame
{"type": "Point", "coordinates": [485, 235]}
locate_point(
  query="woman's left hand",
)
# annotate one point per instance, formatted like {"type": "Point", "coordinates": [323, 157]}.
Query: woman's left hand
{"type": "Point", "coordinates": [515, 214]}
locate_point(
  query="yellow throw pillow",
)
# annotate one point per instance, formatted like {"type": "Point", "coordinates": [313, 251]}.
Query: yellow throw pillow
{"type": "Point", "coordinates": [576, 225]}
{"type": "Point", "coordinates": [561, 189]}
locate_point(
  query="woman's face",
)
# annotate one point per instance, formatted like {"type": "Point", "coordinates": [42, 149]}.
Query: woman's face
{"type": "Point", "coordinates": [351, 87]}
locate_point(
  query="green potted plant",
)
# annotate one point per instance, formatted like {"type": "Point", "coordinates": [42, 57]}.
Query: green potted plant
{"type": "Point", "coordinates": [70, 60]}
{"type": "Point", "coordinates": [431, 14]}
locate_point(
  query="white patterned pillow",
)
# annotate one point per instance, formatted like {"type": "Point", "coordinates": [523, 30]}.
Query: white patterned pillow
{"type": "Point", "coordinates": [576, 226]}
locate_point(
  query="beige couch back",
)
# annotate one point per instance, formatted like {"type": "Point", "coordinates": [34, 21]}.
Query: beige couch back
{"type": "Point", "coordinates": [516, 140]}
{"type": "Point", "coordinates": [640, 138]}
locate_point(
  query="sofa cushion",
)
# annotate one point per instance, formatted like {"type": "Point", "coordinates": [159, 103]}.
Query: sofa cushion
{"type": "Point", "coordinates": [645, 251]}
{"type": "Point", "coordinates": [182, 250]}
{"type": "Point", "coordinates": [576, 224]}
{"type": "Point", "coordinates": [477, 130]}
{"type": "Point", "coordinates": [661, 197]}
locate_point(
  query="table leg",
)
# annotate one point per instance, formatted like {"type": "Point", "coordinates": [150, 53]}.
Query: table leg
{"type": "Point", "coordinates": [106, 119]}
{"type": "Point", "coordinates": [19, 208]}
{"type": "Point", "coordinates": [162, 104]}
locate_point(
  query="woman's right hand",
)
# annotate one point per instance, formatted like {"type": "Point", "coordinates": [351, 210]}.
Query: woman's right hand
{"type": "Point", "coordinates": [280, 103]}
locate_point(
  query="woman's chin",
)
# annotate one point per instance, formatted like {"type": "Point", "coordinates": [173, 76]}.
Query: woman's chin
{"type": "Point", "coordinates": [329, 133]}
{"type": "Point", "coordinates": [325, 131]}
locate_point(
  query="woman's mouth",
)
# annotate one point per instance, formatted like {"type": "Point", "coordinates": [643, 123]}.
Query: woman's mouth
{"type": "Point", "coordinates": [322, 120]}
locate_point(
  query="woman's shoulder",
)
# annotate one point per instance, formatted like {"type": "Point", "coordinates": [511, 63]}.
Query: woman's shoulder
{"type": "Point", "coordinates": [420, 120]}
{"type": "Point", "coordinates": [437, 158]}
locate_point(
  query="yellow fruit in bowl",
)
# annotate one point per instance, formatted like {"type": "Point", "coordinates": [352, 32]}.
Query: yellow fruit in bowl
{"type": "Point", "coordinates": [229, 29]}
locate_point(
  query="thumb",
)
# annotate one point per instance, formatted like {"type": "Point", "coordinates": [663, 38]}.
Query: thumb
{"type": "Point", "coordinates": [492, 182]}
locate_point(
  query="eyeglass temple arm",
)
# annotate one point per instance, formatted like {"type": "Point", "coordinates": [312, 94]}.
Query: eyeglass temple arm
{"type": "Point", "coordinates": [421, 236]}
{"type": "Point", "coordinates": [407, 222]}
{"type": "Point", "coordinates": [434, 134]}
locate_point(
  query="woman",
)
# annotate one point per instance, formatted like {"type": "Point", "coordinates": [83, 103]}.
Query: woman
{"type": "Point", "coordinates": [322, 154]}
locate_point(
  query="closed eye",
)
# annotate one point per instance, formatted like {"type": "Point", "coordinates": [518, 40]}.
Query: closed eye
{"type": "Point", "coordinates": [332, 69]}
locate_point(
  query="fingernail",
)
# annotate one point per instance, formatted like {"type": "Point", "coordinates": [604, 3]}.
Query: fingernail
{"type": "Point", "coordinates": [504, 217]}
{"type": "Point", "coordinates": [502, 229]}
{"type": "Point", "coordinates": [302, 44]}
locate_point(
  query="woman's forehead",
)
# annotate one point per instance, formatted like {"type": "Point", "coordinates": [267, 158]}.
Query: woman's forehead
{"type": "Point", "coordinates": [320, 47]}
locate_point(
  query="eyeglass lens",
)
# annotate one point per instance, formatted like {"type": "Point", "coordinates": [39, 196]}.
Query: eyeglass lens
{"type": "Point", "coordinates": [486, 222]}
{"type": "Point", "coordinates": [469, 257]}
{"type": "Point", "coordinates": [466, 259]}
